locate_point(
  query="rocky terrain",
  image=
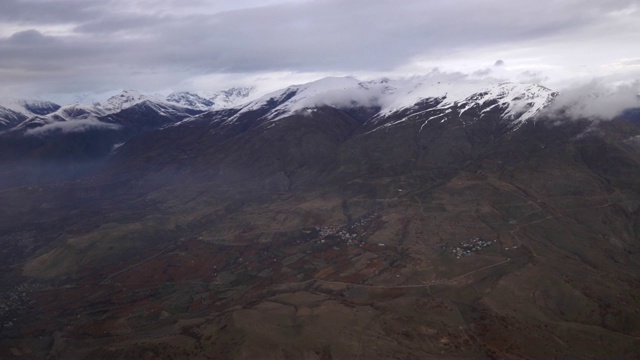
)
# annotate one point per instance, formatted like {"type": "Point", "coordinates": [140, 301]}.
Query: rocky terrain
{"type": "Point", "coordinates": [301, 225]}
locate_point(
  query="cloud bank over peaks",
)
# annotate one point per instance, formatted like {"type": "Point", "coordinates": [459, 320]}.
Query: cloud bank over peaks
{"type": "Point", "coordinates": [391, 93]}
{"type": "Point", "coordinates": [333, 91]}
{"type": "Point", "coordinates": [596, 99]}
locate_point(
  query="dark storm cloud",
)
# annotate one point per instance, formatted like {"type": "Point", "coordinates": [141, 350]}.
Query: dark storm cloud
{"type": "Point", "coordinates": [147, 43]}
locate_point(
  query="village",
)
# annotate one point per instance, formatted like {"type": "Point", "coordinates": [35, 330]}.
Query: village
{"type": "Point", "coordinates": [472, 245]}
{"type": "Point", "coordinates": [14, 300]}
{"type": "Point", "coordinates": [351, 235]}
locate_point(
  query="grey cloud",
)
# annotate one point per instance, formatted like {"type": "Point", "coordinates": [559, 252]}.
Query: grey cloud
{"type": "Point", "coordinates": [532, 77]}
{"type": "Point", "coordinates": [482, 73]}
{"type": "Point", "coordinates": [27, 38]}
{"type": "Point", "coordinates": [125, 24]}
{"type": "Point", "coordinates": [341, 36]}
{"type": "Point", "coordinates": [142, 43]}
{"type": "Point", "coordinates": [48, 11]}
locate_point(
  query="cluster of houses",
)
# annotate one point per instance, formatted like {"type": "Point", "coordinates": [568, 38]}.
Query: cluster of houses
{"type": "Point", "coordinates": [351, 235]}
{"type": "Point", "coordinates": [326, 233]}
{"type": "Point", "coordinates": [473, 244]}
{"type": "Point", "coordinates": [11, 301]}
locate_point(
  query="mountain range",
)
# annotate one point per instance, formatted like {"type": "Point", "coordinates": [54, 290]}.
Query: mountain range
{"type": "Point", "coordinates": [412, 218]}
{"type": "Point", "coordinates": [43, 140]}
{"type": "Point", "coordinates": [14, 112]}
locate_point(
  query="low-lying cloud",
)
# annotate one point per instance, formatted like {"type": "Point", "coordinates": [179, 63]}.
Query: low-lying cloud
{"type": "Point", "coordinates": [596, 100]}
{"type": "Point", "coordinates": [71, 126]}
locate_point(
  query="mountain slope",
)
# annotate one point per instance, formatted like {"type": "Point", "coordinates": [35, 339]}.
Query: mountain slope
{"type": "Point", "coordinates": [302, 225]}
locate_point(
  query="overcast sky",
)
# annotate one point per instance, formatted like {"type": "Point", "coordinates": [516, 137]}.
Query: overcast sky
{"type": "Point", "coordinates": [61, 47]}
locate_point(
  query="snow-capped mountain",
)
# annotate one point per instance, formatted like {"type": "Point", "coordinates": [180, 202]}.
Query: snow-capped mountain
{"type": "Point", "coordinates": [74, 117]}
{"type": "Point", "coordinates": [125, 99]}
{"type": "Point", "coordinates": [394, 99]}
{"type": "Point", "coordinates": [230, 98]}
{"type": "Point", "coordinates": [10, 118]}
{"type": "Point", "coordinates": [190, 100]}
{"type": "Point", "coordinates": [332, 91]}
{"type": "Point", "coordinates": [129, 108]}
{"type": "Point", "coordinates": [516, 102]}
{"type": "Point", "coordinates": [39, 107]}
{"type": "Point", "coordinates": [84, 131]}
{"type": "Point", "coordinates": [218, 100]}
{"type": "Point", "coordinates": [520, 101]}
{"type": "Point", "coordinates": [77, 111]}
{"type": "Point", "coordinates": [222, 99]}
{"type": "Point", "coordinates": [15, 111]}
{"type": "Point", "coordinates": [29, 107]}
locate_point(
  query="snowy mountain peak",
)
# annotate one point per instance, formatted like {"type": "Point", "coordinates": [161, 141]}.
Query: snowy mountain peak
{"type": "Point", "coordinates": [15, 111]}
{"type": "Point", "coordinates": [39, 107]}
{"type": "Point", "coordinates": [231, 97]}
{"type": "Point", "coordinates": [125, 99]}
{"type": "Point", "coordinates": [522, 101]}
{"type": "Point", "coordinates": [10, 118]}
{"type": "Point", "coordinates": [513, 101]}
{"type": "Point", "coordinates": [190, 100]}
{"type": "Point", "coordinates": [30, 107]}
{"type": "Point", "coordinates": [217, 100]}
{"type": "Point", "coordinates": [519, 101]}
{"type": "Point", "coordinates": [405, 94]}
{"type": "Point", "coordinates": [331, 91]}
{"type": "Point", "coordinates": [77, 111]}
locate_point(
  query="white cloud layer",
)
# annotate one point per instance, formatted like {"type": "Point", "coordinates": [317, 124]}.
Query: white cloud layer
{"type": "Point", "coordinates": [597, 100]}
{"type": "Point", "coordinates": [79, 46]}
